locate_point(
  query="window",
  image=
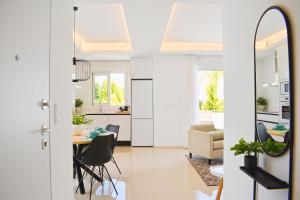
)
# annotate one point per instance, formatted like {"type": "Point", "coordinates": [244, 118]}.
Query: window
{"type": "Point", "coordinates": [109, 88]}
{"type": "Point", "coordinates": [210, 90]}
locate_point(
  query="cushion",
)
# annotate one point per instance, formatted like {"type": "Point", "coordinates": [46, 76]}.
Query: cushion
{"type": "Point", "coordinates": [203, 127]}
{"type": "Point", "coordinates": [218, 144]}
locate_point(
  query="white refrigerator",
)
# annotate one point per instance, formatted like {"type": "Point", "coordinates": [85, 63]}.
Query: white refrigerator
{"type": "Point", "coordinates": [141, 112]}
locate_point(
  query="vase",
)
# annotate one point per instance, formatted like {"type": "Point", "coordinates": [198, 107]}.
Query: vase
{"type": "Point", "coordinates": [250, 161]}
{"type": "Point", "coordinates": [261, 108]}
{"type": "Point", "coordinates": [78, 129]}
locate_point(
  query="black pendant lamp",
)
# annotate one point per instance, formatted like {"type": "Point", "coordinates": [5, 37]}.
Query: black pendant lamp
{"type": "Point", "coordinates": [81, 67]}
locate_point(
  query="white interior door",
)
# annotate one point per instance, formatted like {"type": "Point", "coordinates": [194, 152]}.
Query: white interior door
{"type": "Point", "coordinates": [24, 82]}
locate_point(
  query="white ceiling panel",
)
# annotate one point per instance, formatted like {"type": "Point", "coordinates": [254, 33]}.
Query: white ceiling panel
{"type": "Point", "coordinates": [195, 23]}
{"type": "Point", "coordinates": [101, 23]}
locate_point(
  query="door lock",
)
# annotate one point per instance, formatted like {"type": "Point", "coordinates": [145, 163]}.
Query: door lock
{"type": "Point", "coordinates": [45, 104]}
{"type": "Point", "coordinates": [44, 143]}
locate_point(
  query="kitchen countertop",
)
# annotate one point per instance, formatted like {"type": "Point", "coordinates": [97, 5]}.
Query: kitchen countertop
{"type": "Point", "coordinates": [114, 113]}
{"type": "Point", "coordinates": [267, 113]}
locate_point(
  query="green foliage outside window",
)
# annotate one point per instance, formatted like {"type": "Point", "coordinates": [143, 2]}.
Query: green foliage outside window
{"type": "Point", "coordinates": [117, 93]}
{"type": "Point", "coordinates": [213, 102]}
{"type": "Point", "coordinates": [101, 95]}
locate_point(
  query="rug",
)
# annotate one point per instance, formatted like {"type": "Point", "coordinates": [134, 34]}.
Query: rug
{"type": "Point", "coordinates": [201, 166]}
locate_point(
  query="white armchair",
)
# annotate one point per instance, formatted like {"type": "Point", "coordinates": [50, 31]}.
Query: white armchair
{"type": "Point", "coordinates": [206, 141]}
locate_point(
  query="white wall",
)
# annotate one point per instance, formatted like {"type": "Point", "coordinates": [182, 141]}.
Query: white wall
{"type": "Point", "coordinates": [60, 97]}
{"type": "Point", "coordinates": [210, 62]}
{"type": "Point", "coordinates": [85, 93]}
{"type": "Point", "coordinates": [240, 20]}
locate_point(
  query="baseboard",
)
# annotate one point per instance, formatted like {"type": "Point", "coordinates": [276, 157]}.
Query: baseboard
{"type": "Point", "coordinates": [124, 143]}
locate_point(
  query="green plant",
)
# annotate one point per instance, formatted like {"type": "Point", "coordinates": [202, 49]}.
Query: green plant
{"type": "Point", "coordinates": [261, 101]}
{"type": "Point", "coordinates": [80, 119]}
{"type": "Point", "coordinates": [213, 102]}
{"type": "Point", "coordinates": [78, 103]}
{"type": "Point", "coordinates": [273, 147]}
{"type": "Point", "coordinates": [248, 149]}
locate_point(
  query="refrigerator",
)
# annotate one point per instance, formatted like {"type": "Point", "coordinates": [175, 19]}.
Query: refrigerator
{"type": "Point", "coordinates": [142, 112]}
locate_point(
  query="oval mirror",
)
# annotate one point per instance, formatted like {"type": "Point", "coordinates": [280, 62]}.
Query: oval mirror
{"type": "Point", "coordinates": [273, 85]}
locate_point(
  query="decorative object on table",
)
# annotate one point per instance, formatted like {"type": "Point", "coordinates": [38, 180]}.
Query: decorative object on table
{"type": "Point", "coordinates": [79, 121]}
{"type": "Point", "coordinates": [81, 67]}
{"type": "Point", "coordinates": [206, 141]}
{"type": "Point", "coordinates": [203, 169]}
{"type": "Point", "coordinates": [101, 130]}
{"type": "Point", "coordinates": [249, 150]}
{"type": "Point", "coordinates": [262, 104]}
{"type": "Point", "coordinates": [78, 105]}
{"type": "Point", "coordinates": [279, 130]}
{"type": "Point", "coordinates": [93, 134]}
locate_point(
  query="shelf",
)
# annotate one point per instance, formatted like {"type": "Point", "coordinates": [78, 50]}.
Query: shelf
{"type": "Point", "coordinates": [265, 179]}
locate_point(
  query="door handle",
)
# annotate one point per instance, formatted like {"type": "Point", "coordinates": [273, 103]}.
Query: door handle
{"type": "Point", "coordinates": [45, 104]}
{"type": "Point", "coordinates": [45, 129]}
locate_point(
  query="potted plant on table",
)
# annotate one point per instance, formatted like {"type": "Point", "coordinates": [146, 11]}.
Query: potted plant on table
{"type": "Point", "coordinates": [249, 150]}
{"type": "Point", "coordinates": [78, 105]}
{"type": "Point", "coordinates": [262, 104]}
{"type": "Point", "coordinates": [79, 121]}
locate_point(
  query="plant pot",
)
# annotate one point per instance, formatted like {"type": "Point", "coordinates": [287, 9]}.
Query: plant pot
{"type": "Point", "coordinates": [261, 108]}
{"type": "Point", "coordinates": [78, 129]}
{"type": "Point", "coordinates": [250, 161]}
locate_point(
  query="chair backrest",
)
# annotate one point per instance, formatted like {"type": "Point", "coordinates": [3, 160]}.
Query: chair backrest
{"type": "Point", "coordinates": [100, 151]}
{"type": "Point", "coordinates": [115, 129]}
{"type": "Point", "coordinates": [262, 132]}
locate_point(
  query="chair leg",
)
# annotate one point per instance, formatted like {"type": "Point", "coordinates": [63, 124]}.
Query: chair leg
{"type": "Point", "coordinates": [114, 161]}
{"type": "Point", "coordinates": [209, 161]}
{"type": "Point", "coordinates": [191, 155]}
{"type": "Point", "coordinates": [91, 185]}
{"type": "Point", "coordinates": [83, 176]}
{"type": "Point", "coordinates": [110, 178]}
{"type": "Point", "coordinates": [220, 188]}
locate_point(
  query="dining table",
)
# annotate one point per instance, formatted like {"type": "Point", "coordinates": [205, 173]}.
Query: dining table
{"type": "Point", "coordinates": [79, 142]}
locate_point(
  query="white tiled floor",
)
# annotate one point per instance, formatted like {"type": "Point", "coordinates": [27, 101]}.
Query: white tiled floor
{"type": "Point", "coordinates": [151, 174]}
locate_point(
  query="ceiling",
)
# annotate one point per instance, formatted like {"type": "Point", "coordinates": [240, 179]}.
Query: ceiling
{"type": "Point", "coordinates": [109, 29]}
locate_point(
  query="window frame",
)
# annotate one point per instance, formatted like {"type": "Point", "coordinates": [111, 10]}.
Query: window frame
{"type": "Point", "coordinates": [108, 75]}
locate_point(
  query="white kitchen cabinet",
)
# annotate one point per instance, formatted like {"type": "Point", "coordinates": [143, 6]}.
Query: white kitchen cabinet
{"type": "Point", "coordinates": [124, 121]}
{"type": "Point", "coordinates": [268, 117]}
{"type": "Point", "coordinates": [99, 120]}
{"type": "Point", "coordinates": [125, 126]}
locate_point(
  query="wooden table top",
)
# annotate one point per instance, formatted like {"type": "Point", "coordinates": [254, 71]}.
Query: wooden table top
{"type": "Point", "coordinates": [83, 139]}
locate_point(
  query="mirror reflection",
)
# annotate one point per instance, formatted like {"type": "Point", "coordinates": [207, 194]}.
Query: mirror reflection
{"type": "Point", "coordinates": [272, 82]}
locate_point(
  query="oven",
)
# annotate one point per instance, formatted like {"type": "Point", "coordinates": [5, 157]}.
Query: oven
{"type": "Point", "coordinates": [284, 112]}
{"type": "Point", "coordinates": [284, 88]}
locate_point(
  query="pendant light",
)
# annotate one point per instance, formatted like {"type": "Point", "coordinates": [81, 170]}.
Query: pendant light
{"type": "Point", "coordinates": [81, 67]}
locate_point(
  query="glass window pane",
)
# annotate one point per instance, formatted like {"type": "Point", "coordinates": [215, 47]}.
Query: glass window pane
{"type": "Point", "coordinates": [101, 92]}
{"type": "Point", "coordinates": [117, 89]}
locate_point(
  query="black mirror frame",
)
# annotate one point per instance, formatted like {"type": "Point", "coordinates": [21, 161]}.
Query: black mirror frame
{"type": "Point", "coordinates": [290, 144]}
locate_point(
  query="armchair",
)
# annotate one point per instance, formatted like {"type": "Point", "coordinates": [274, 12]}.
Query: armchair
{"type": "Point", "coordinates": [206, 141]}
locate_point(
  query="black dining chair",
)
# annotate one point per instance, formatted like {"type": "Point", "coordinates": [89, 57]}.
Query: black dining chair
{"type": "Point", "coordinates": [115, 129]}
{"type": "Point", "coordinates": [262, 132]}
{"type": "Point", "coordinates": [97, 155]}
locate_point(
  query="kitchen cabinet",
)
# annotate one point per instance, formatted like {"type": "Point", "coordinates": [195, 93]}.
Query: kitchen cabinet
{"type": "Point", "coordinates": [125, 126]}
{"type": "Point", "coordinates": [124, 121]}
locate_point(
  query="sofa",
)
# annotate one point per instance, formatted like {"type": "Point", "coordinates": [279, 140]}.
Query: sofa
{"type": "Point", "coordinates": [206, 141]}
